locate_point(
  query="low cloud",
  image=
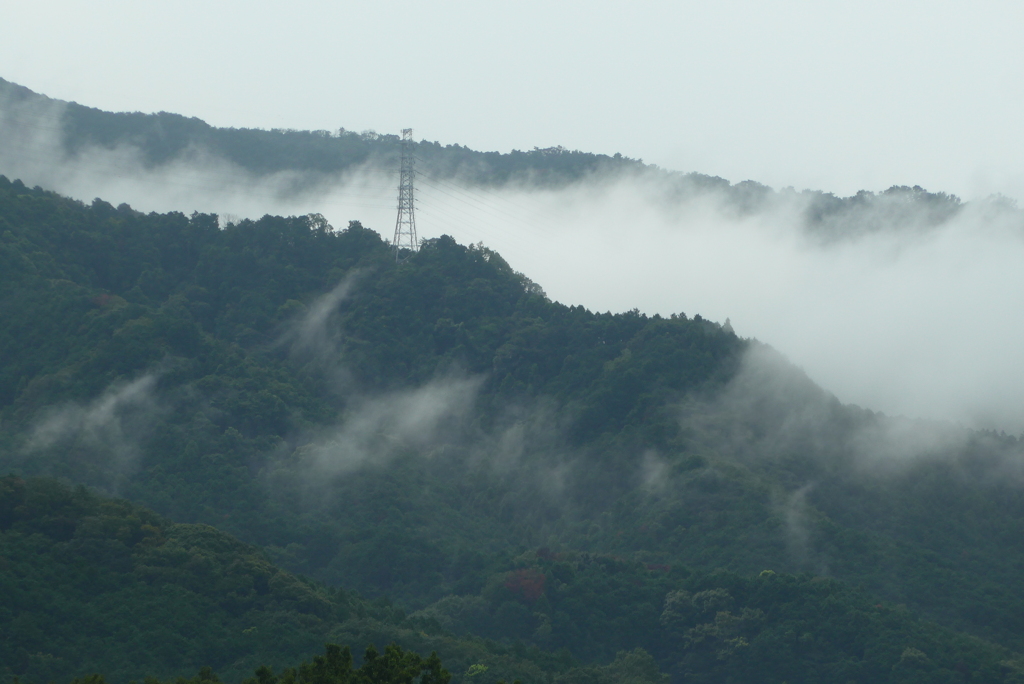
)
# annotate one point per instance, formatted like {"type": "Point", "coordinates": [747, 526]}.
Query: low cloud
{"type": "Point", "coordinates": [771, 411]}
{"type": "Point", "coordinates": [110, 428]}
{"type": "Point", "coordinates": [375, 430]}
{"type": "Point", "coordinates": [196, 179]}
{"type": "Point", "coordinates": [312, 337]}
{"type": "Point", "coordinates": [900, 301]}
{"type": "Point", "coordinates": [654, 472]}
{"type": "Point", "coordinates": [798, 533]}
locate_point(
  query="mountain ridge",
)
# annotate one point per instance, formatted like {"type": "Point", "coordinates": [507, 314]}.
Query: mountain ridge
{"type": "Point", "coordinates": [316, 155]}
{"type": "Point", "coordinates": [439, 431]}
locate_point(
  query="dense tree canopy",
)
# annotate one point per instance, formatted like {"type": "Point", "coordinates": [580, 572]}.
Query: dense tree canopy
{"type": "Point", "coordinates": [537, 486]}
{"type": "Point", "coordinates": [101, 585]}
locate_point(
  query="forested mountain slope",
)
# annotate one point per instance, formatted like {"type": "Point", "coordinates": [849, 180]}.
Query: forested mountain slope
{"type": "Point", "coordinates": [413, 429]}
{"type": "Point", "coordinates": [313, 158]}
{"type": "Point", "coordinates": [101, 585]}
{"type": "Point", "coordinates": [165, 137]}
{"type": "Point", "coordinates": [207, 380]}
{"type": "Point", "coordinates": [94, 585]}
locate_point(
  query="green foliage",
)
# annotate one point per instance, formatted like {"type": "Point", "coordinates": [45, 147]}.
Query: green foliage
{"type": "Point", "coordinates": [235, 398]}
{"type": "Point", "coordinates": [95, 584]}
{"type": "Point", "coordinates": [226, 378]}
{"type": "Point", "coordinates": [629, 667]}
{"type": "Point", "coordinates": [394, 666]}
{"type": "Point", "coordinates": [101, 585]}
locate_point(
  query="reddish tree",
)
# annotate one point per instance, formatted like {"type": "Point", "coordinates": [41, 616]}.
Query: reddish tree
{"type": "Point", "coordinates": [526, 583]}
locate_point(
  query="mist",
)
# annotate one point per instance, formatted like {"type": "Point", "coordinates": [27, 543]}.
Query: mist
{"type": "Point", "coordinates": [886, 307]}
{"type": "Point", "coordinates": [374, 428]}
{"type": "Point", "coordinates": [104, 435]}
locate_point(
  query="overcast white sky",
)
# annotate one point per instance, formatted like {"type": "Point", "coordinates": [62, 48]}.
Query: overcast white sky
{"type": "Point", "coordinates": [837, 96]}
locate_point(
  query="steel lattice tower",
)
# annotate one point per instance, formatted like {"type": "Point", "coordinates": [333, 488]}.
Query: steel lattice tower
{"type": "Point", "coordinates": [405, 226]}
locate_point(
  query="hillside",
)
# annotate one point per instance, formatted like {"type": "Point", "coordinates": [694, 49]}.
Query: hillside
{"type": "Point", "coordinates": [101, 585]}
{"type": "Point", "coordinates": [228, 384]}
{"type": "Point", "coordinates": [43, 130]}
{"type": "Point", "coordinates": [95, 585]}
{"type": "Point", "coordinates": [419, 430]}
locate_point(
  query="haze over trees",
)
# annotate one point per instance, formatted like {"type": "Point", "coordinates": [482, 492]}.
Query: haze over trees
{"type": "Point", "coordinates": [231, 442]}
{"type": "Point", "coordinates": [316, 157]}
{"type": "Point", "coordinates": [520, 485]}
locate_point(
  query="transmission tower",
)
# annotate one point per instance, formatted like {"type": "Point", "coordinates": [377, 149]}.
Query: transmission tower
{"type": "Point", "coordinates": [405, 226]}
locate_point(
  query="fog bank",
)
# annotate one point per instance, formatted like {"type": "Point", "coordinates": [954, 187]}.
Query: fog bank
{"type": "Point", "coordinates": [891, 310]}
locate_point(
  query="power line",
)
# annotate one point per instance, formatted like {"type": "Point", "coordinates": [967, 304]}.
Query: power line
{"type": "Point", "coordinates": [474, 194]}
{"type": "Point", "coordinates": [485, 208]}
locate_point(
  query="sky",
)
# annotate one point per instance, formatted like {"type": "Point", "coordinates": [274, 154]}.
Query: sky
{"type": "Point", "coordinates": [826, 95]}
{"type": "Point", "coordinates": [822, 95]}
